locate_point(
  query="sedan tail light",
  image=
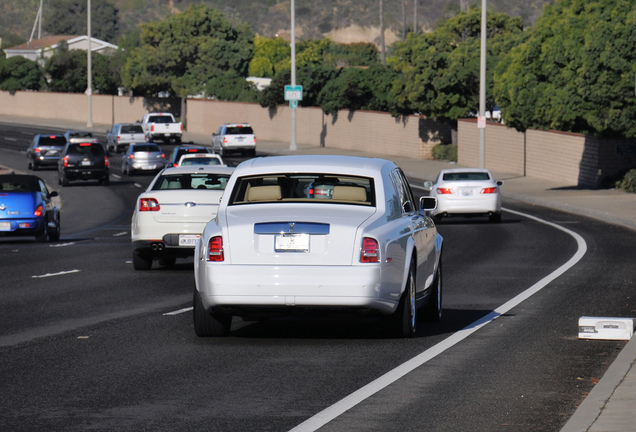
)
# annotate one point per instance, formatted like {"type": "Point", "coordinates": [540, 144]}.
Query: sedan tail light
{"type": "Point", "coordinates": [215, 249]}
{"type": "Point", "coordinates": [370, 251]}
{"type": "Point", "coordinates": [149, 204]}
{"type": "Point", "coordinates": [445, 191]}
{"type": "Point", "coordinates": [489, 190]}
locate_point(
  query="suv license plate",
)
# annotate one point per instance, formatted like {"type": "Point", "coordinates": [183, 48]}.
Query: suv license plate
{"type": "Point", "coordinates": [292, 243]}
{"type": "Point", "coordinates": [188, 239]}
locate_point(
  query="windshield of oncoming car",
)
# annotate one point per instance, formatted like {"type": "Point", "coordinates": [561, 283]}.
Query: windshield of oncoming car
{"type": "Point", "coordinates": [192, 181]}
{"type": "Point", "coordinates": [466, 176]}
{"type": "Point", "coordinates": [300, 187]}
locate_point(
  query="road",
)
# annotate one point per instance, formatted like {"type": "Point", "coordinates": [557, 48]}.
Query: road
{"type": "Point", "coordinates": [89, 343]}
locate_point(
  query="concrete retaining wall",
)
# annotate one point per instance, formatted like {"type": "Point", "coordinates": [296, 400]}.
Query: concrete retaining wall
{"type": "Point", "coordinates": [376, 132]}
{"type": "Point", "coordinates": [568, 158]}
{"type": "Point", "coordinates": [572, 159]}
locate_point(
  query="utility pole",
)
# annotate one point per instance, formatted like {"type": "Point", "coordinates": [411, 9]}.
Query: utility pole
{"type": "Point", "coordinates": [481, 121]}
{"type": "Point", "coordinates": [292, 145]}
{"type": "Point", "coordinates": [382, 47]}
{"type": "Point", "coordinates": [415, 17]}
{"type": "Point", "coordinates": [89, 88]}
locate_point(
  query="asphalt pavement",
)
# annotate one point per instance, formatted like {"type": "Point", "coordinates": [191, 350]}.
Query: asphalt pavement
{"type": "Point", "coordinates": [609, 407]}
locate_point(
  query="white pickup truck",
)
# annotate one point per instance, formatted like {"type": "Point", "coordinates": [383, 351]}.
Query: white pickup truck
{"type": "Point", "coordinates": [161, 126]}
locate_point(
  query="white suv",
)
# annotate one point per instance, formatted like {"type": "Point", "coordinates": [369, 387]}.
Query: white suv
{"type": "Point", "coordinates": [234, 137]}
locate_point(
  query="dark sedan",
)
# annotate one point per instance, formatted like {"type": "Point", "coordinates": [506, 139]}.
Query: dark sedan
{"type": "Point", "coordinates": [27, 208]}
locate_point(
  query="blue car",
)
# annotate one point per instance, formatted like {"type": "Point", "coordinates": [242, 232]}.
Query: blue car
{"type": "Point", "coordinates": [27, 209]}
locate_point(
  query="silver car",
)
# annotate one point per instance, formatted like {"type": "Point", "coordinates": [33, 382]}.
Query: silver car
{"type": "Point", "coordinates": [143, 157]}
{"type": "Point", "coordinates": [122, 135]}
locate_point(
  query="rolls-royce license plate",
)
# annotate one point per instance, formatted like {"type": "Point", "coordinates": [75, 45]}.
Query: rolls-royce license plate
{"type": "Point", "coordinates": [292, 243]}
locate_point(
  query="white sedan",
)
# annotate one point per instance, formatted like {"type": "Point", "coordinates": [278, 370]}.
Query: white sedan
{"type": "Point", "coordinates": [316, 234]}
{"type": "Point", "coordinates": [466, 192]}
{"type": "Point", "coordinates": [171, 214]}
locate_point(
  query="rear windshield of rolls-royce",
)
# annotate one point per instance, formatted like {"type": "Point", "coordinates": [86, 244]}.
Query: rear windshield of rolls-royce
{"type": "Point", "coordinates": [301, 187]}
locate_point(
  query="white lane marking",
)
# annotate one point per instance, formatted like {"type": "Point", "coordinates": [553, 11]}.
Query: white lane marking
{"type": "Point", "coordinates": [62, 244]}
{"type": "Point", "coordinates": [10, 139]}
{"type": "Point", "coordinates": [123, 233]}
{"type": "Point", "coordinates": [180, 311]}
{"type": "Point", "coordinates": [340, 407]}
{"type": "Point", "coordinates": [54, 274]}
{"type": "Point", "coordinates": [138, 185]}
{"type": "Point", "coordinates": [117, 176]}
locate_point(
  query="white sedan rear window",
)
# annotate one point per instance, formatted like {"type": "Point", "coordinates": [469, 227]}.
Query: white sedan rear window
{"type": "Point", "coordinates": [192, 181]}
{"type": "Point", "coordinates": [466, 176]}
{"type": "Point", "coordinates": [295, 187]}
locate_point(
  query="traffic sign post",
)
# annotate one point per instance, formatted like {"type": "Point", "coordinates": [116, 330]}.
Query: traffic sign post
{"type": "Point", "coordinates": [293, 92]}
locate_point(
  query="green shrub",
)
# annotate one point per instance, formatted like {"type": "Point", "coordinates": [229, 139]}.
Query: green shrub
{"type": "Point", "coordinates": [445, 152]}
{"type": "Point", "coordinates": [628, 182]}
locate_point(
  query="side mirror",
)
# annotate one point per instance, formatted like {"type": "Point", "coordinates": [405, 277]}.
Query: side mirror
{"type": "Point", "coordinates": [428, 204]}
{"type": "Point", "coordinates": [428, 185]}
{"type": "Point", "coordinates": [500, 182]}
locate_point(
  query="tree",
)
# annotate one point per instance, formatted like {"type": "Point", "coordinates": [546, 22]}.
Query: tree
{"type": "Point", "coordinates": [180, 54]}
{"type": "Point", "coordinates": [232, 87]}
{"type": "Point", "coordinates": [359, 89]}
{"type": "Point", "coordinates": [575, 72]}
{"type": "Point", "coordinates": [19, 73]}
{"type": "Point", "coordinates": [439, 71]}
{"type": "Point", "coordinates": [69, 17]}
{"type": "Point", "coordinates": [67, 72]}
{"type": "Point", "coordinates": [312, 78]}
{"type": "Point", "coordinates": [268, 54]}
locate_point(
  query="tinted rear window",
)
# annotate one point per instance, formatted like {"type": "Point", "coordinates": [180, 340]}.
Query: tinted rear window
{"type": "Point", "coordinates": [182, 152]}
{"type": "Point", "coordinates": [240, 130]}
{"type": "Point", "coordinates": [146, 148]}
{"type": "Point", "coordinates": [79, 149]}
{"type": "Point", "coordinates": [192, 181]}
{"type": "Point", "coordinates": [52, 141]}
{"type": "Point", "coordinates": [160, 119]}
{"type": "Point", "coordinates": [466, 176]}
{"type": "Point", "coordinates": [19, 183]}
{"type": "Point", "coordinates": [80, 135]}
{"type": "Point", "coordinates": [131, 129]}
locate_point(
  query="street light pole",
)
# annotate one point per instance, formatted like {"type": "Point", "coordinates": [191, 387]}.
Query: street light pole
{"type": "Point", "coordinates": [481, 121]}
{"type": "Point", "coordinates": [89, 88]}
{"type": "Point", "coordinates": [292, 145]}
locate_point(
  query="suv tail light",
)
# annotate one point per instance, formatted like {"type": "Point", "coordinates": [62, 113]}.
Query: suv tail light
{"type": "Point", "coordinates": [370, 251]}
{"type": "Point", "coordinates": [224, 140]}
{"type": "Point", "coordinates": [66, 161]}
{"type": "Point", "coordinates": [38, 211]}
{"type": "Point", "coordinates": [215, 249]}
{"type": "Point", "coordinates": [106, 161]}
{"type": "Point", "coordinates": [149, 204]}
{"type": "Point", "coordinates": [152, 128]}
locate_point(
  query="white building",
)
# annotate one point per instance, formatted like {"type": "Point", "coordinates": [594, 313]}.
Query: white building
{"type": "Point", "coordinates": [41, 49]}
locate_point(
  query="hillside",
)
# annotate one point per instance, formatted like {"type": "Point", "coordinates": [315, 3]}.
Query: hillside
{"type": "Point", "coordinates": [343, 20]}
